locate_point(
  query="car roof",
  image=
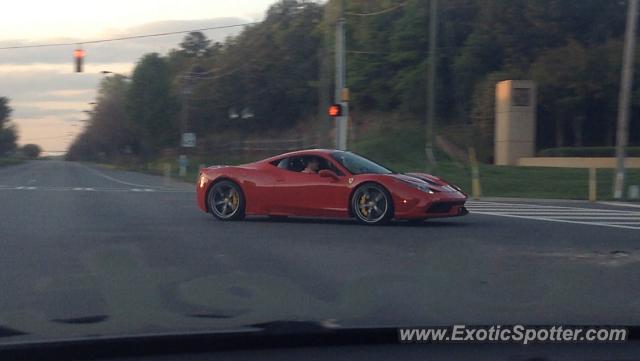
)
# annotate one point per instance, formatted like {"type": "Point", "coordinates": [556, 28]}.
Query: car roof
{"type": "Point", "coordinates": [301, 153]}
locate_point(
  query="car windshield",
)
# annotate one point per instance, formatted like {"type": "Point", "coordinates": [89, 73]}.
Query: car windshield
{"type": "Point", "coordinates": [356, 164]}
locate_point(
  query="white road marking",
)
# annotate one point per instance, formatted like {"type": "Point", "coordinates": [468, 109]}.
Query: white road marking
{"type": "Point", "coordinates": [100, 174]}
{"type": "Point", "coordinates": [574, 215]}
{"type": "Point", "coordinates": [620, 204]}
{"type": "Point", "coordinates": [91, 189]}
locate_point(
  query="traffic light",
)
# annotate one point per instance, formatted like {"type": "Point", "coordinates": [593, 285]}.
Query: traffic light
{"type": "Point", "coordinates": [78, 56]}
{"type": "Point", "coordinates": [335, 110]}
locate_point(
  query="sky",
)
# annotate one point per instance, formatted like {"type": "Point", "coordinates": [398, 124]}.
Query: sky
{"type": "Point", "coordinates": [47, 97]}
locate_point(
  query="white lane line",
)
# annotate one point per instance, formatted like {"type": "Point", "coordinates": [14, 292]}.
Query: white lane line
{"type": "Point", "coordinates": [622, 222]}
{"type": "Point", "coordinates": [589, 216]}
{"type": "Point", "coordinates": [620, 204]}
{"type": "Point", "coordinates": [631, 218]}
{"type": "Point", "coordinates": [594, 215]}
{"type": "Point", "coordinates": [85, 189]}
{"type": "Point", "coordinates": [545, 208]}
{"type": "Point", "coordinates": [554, 211]}
{"type": "Point", "coordinates": [100, 174]}
{"type": "Point", "coordinates": [561, 220]}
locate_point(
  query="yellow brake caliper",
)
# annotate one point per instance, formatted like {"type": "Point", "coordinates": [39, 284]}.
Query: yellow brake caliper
{"type": "Point", "coordinates": [363, 201]}
{"type": "Point", "coordinates": [234, 199]}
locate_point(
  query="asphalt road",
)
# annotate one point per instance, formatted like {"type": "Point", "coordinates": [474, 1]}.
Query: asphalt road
{"type": "Point", "coordinates": [92, 251]}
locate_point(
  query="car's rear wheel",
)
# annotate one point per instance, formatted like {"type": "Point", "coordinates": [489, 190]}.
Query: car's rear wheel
{"type": "Point", "coordinates": [226, 201]}
{"type": "Point", "coordinates": [372, 204]}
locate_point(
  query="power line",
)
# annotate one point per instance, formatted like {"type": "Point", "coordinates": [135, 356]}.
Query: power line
{"type": "Point", "coordinates": [124, 37]}
{"type": "Point", "coordinates": [379, 12]}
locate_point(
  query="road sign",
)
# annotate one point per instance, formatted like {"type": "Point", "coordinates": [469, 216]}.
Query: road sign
{"type": "Point", "coordinates": [188, 140]}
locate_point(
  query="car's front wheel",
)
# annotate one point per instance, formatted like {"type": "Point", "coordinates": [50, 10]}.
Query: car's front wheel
{"type": "Point", "coordinates": [226, 201]}
{"type": "Point", "coordinates": [372, 204]}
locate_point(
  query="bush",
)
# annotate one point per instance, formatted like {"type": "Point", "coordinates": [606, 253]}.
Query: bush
{"type": "Point", "coordinates": [31, 151]}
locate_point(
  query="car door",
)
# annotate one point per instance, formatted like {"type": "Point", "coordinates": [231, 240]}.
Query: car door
{"type": "Point", "coordinates": [309, 194]}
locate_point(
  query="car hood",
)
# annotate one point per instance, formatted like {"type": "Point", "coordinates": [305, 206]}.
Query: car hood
{"type": "Point", "coordinates": [433, 182]}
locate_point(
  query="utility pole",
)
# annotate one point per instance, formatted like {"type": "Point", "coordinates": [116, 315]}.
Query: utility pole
{"type": "Point", "coordinates": [431, 84]}
{"type": "Point", "coordinates": [342, 94]}
{"type": "Point", "coordinates": [626, 83]}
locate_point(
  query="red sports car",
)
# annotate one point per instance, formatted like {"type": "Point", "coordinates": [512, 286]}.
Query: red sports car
{"type": "Point", "coordinates": [325, 183]}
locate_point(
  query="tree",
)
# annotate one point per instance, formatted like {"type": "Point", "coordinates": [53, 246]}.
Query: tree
{"type": "Point", "coordinates": [153, 105]}
{"type": "Point", "coordinates": [31, 151]}
{"type": "Point", "coordinates": [8, 134]}
{"type": "Point", "coordinates": [280, 70]}
{"type": "Point", "coordinates": [195, 44]}
{"type": "Point", "coordinates": [109, 132]}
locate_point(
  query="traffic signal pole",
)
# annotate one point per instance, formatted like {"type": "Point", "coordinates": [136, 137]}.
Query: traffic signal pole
{"type": "Point", "coordinates": [431, 84]}
{"type": "Point", "coordinates": [341, 95]}
{"type": "Point", "coordinates": [626, 83]}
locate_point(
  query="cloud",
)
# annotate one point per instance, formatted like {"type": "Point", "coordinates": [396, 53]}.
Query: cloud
{"type": "Point", "coordinates": [117, 51]}
{"type": "Point", "coordinates": [46, 94]}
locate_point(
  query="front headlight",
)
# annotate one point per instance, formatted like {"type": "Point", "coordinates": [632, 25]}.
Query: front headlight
{"type": "Point", "coordinates": [419, 186]}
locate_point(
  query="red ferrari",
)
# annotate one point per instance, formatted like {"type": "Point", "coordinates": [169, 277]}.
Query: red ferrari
{"type": "Point", "coordinates": [325, 183]}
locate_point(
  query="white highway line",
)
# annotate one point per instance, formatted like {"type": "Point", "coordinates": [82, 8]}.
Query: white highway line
{"type": "Point", "coordinates": [562, 220]}
{"type": "Point", "coordinates": [575, 215]}
{"type": "Point", "coordinates": [91, 189]}
{"type": "Point", "coordinates": [620, 204]}
{"type": "Point", "coordinates": [553, 211]}
{"type": "Point", "coordinates": [100, 174]}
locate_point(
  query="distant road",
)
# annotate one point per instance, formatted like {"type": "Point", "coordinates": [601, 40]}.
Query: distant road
{"type": "Point", "coordinates": [87, 250]}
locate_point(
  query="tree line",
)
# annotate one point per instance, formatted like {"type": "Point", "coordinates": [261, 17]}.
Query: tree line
{"type": "Point", "coordinates": [278, 74]}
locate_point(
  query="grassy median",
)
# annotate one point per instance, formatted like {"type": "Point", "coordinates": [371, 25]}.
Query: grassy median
{"type": "Point", "coordinates": [402, 149]}
{"type": "Point", "coordinates": [496, 181]}
{"type": "Point", "coordinates": [9, 161]}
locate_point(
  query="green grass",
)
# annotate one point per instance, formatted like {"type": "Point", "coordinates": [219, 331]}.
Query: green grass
{"type": "Point", "coordinates": [158, 166]}
{"type": "Point", "coordinates": [587, 152]}
{"type": "Point", "coordinates": [9, 161]}
{"type": "Point", "coordinates": [402, 149]}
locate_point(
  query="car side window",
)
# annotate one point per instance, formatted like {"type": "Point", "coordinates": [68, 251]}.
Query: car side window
{"type": "Point", "coordinates": [283, 163]}
{"type": "Point", "coordinates": [298, 164]}
{"type": "Point", "coordinates": [327, 164]}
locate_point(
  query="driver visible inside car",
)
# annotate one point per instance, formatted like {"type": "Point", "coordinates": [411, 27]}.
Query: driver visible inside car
{"type": "Point", "coordinates": [312, 166]}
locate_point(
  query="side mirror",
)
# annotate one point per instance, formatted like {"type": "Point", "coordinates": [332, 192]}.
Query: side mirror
{"type": "Point", "coordinates": [326, 173]}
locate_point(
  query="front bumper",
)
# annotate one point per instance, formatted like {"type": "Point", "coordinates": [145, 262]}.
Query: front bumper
{"type": "Point", "coordinates": [424, 206]}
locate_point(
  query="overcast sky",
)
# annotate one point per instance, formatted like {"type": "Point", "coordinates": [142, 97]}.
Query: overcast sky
{"type": "Point", "coordinates": [47, 96]}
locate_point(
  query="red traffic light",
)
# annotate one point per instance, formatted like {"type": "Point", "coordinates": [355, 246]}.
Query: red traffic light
{"type": "Point", "coordinates": [335, 110]}
{"type": "Point", "coordinates": [78, 55]}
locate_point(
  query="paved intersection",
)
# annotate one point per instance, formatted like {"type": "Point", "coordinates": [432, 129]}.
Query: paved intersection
{"type": "Point", "coordinates": [606, 217]}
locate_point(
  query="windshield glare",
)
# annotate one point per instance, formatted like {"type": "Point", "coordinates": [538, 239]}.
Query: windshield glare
{"type": "Point", "coordinates": [358, 165]}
